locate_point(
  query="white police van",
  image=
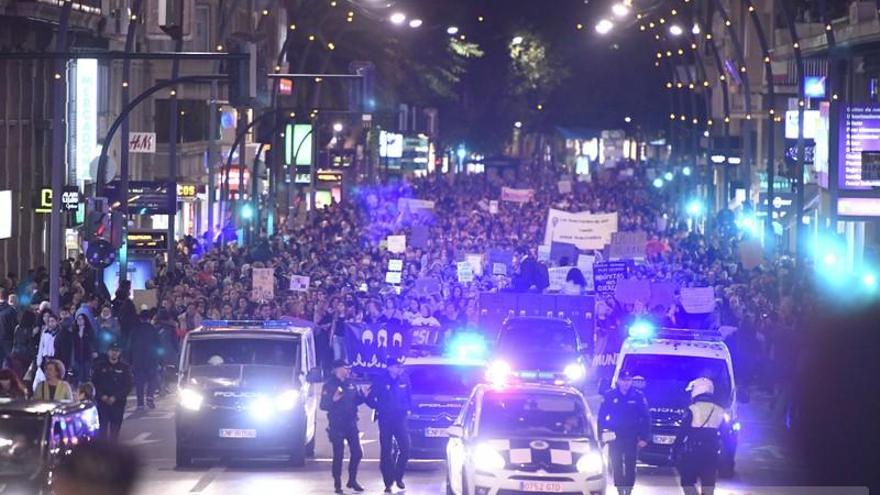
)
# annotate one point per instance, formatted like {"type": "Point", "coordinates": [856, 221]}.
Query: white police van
{"type": "Point", "coordinates": [668, 360]}
{"type": "Point", "coordinates": [524, 438]}
{"type": "Point", "coordinates": [247, 389]}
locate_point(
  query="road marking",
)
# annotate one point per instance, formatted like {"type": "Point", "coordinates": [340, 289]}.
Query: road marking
{"type": "Point", "coordinates": [207, 479]}
{"type": "Point", "coordinates": [141, 439]}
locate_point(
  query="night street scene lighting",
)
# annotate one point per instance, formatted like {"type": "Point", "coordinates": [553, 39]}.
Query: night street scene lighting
{"type": "Point", "coordinates": [495, 247]}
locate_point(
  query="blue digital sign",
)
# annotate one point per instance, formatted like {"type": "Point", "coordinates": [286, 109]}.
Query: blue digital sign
{"type": "Point", "coordinates": [814, 86]}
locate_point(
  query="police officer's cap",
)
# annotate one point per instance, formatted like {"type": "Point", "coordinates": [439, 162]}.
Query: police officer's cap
{"type": "Point", "coordinates": [340, 363]}
{"type": "Point", "coordinates": [392, 361]}
{"type": "Point", "coordinates": [115, 346]}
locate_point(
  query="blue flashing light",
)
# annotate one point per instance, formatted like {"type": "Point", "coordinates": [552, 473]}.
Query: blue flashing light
{"type": "Point", "coordinates": [695, 207]}
{"type": "Point", "coordinates": [668, 176]}
{"type": "Point", "coordinates": [658, 183]}
{"type": "Point", "coordinates": [247, 211]}
{"type": "Point", "coordinates": [641, 329]}
{"type": "Point", "coordinates": [467, 346]}
{"type": "Point", "coordinates": [462, 152]}
{"type": "Point", "coordinates": [870, 280]}
{"type": "Point", "coordinates": [686, 171]}
{"type": "Point", "coordinates": [748, 223]}
{"type": "Point", "coordinates": [830, 259]}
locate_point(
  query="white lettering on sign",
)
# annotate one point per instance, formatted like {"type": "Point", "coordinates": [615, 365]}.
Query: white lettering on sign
{"type": "Point", "coordinates": [142, 142]}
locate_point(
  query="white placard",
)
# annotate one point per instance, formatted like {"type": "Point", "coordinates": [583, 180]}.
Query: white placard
{"type": "Point", "coordinates": [263, 288]}
{"type": "Point", "coordinates": [499, 269]}
{"type": "Point", "coordinates": [396, 244]}
{"type": "Point", "coordinates": [585, 265]}
{"type": "Point", "coordinates": [493, 207]}
{"type": "Point", "coordinates": [464, 271]}
{"type": "Point", "coordinates": [544, 253]}
{"type": "Point", "coordinates": [395, 265]}
{"type": "Point", "coordinates": [142, 142]}
{"type": "Point", "coordinates": [585, 230]}
{"type": "Point", "coordinates": [393, 278]}
{"type": "Point", "coordinates": [412, 204]}
{"type": "Point", "coordinates": [698, 300]}
{"type": "Point", "coordinates": [517, 195]}
{"type": "Point", "coordinates": [476, 262]}
{"type": "Point", "coordinates": [300, 283]}
{"type": "Point", "coordinates": [5, 214]}
{"type": "Point", "coordinates": [557, 274]}
{"type": "Point", "coordinates": [564, 186]}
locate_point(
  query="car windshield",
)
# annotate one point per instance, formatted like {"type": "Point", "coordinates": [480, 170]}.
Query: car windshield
{"type": "Point", "coordinates": [243, 351]}
{"type": "Point", "coordinates": [20, 440]}
{"type": "Point", "coordinates": [551, 336]}
{"type": "Point", "coordinates": [507, 415]}
{"type": "Point", "coordinates": [438, 379]}
{"type": "Point", "coordinates": [667, 376]}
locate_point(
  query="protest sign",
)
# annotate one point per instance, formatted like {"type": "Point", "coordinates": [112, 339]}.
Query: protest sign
{"type": "Point", "coordinates": [393, 278]}
{"type": "Point", "coordinates": [750, 253]}
{"type": "Point", "coordinates": [368, 346]}
{"type": "Point", "coordinates": [476, 262]}
{"type": "Point", "coordinates": [502, 256]}
{"type": "Point", "coordinates": [413, 205]}
{"type": "Point", "coordinates": [517, 195]}
{"type": "Point", "coordinates": [630, 290]}
{"type": "Point", "coordinates": [395, 265]}
{"type": "Point", "coordinates": [493, 207]}
{"type": "Point", "coordinates": [606, 274]}
{"type": "Point", "coordinates": [499, 269]}
{"type": "Point", "coordinates": [628, 245]}
{"type": "Point", "coordinates": [464, 272]}
{"type": "Point", "coordinates": [564, 186]}
{"type": "Point", "coordinates": [396, 244]}
{"type": "Point", "coordinates": [299, 283]}
{"type": "Point", "coordinates": [558, 275]}
{"type": "Point", "coordinates": [145, 297]}
{"type": "Point", "coordinates": [698, 300]}
{"type": "Point", "coordinates": [585, 230]}
{"type": "Point", "coordinates": [262, 284]}
{"type": "Point", "coordinates": [544, 253]}
{"type": "Point", "coordinates": [585, 265]}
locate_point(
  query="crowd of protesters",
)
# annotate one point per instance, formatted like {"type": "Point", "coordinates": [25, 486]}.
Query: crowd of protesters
{"type": "Point", "coordinates": [343, 250]}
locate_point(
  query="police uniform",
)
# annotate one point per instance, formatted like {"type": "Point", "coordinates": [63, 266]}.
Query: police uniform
{"type": "Point", "coordinates": [111, 380]}
{"type": "Point", "coordinates": [626, 416]}
{"type": "Point", "coordinates": [392, 400]}
{"type": "Point", "coordinates": [698, 442]}
{"type": "Point", "coordinates": [342, 418]}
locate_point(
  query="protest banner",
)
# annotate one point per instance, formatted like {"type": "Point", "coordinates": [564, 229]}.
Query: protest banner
{"type": "Point", "coordinates": [698, 300]}
{"type": "Point", "coordinates": [493, 207]}
{"type": "Point", "coordinates": [299, 283]}
{"type": "Point", "coordinates": [413, 205]}
{"type": "Point", "coordinates": [630, 290]}
{"type": "Point", "coordinates": [564, 186]}
{"type": "Point", "coordinates": [262, 284]}
{"type": "Point", "coordinates": [606, 274]}
{"type": "Point", "coordinates": [368, 346]}
{"type": "Point", "coordinates": [628, 245]}
{"type": "Point", "coordinates": [396, 244]}
{"type": "Point", "coordinates": [464, 272]}
{"type": "Point", "coordinates": [517, 195]}
{"type": "Point", "coordinates": [585, 230]}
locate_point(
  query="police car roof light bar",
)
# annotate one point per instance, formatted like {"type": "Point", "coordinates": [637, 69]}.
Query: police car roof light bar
{"type": "Point", "coordinates": [209, 324]}
{"type": "Point", "coordinates": [704, 334]}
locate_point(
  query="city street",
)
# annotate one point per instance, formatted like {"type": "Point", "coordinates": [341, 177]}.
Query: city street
{"type": "Point", "coordinates": [763, 459]}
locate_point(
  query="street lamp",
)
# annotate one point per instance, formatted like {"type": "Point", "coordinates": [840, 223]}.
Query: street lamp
{"type": "Point", "coordinates": [696, 29]}
{"type": "Point", "coordinates": [452, 30]}
{"type": "Point", "coordinates": [676, 30]}
{"type": "Point", "coordinates": [620, 10]}
{"type": "Point", "coordinates": [668, 176]}
{"type": "Point", "coordinates": [397, 18]}
{"type": "Point", "coordinates": [604, 26]}
{"type": "Point", "coordinates": [415, 23]}
{"type": "Point", "coordinates": [627, 119]}
{"type": "Point", "coordinates": [517, 124]}
{"type": "Point", "coordinates": [686, 171]}
{"type": "Point", "coordinates": [337, 127]}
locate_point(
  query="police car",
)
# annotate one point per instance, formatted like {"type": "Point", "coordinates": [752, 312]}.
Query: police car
{"type": "Point", "coordinates": [538, 349]}
{"type": "Point", "coordinates": [440, 387]}
{"type": "Point", "coordinates": [524, 438]}
{"type": "Point", "coordinates": [247, 389]}
{"type": "Point", "coordinates": [665, 361]}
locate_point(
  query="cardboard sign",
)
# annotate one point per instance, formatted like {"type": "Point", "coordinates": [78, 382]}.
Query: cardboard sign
{"type": "Point", "coordinates": [476, 262]}
{"type": "Point", "coordinates": [585, 230]}
{"type": "Point", "coordinates": [517, 195]}
{"type": "Point", "coordinates": [393, 278]}
{"type": "Point", "coordinates": [630, 290]}
{"type": "Point", "coordinates": [628, 245]}
{"type": "Point", "coordinates": [396, 244]}
{"type": "Point", "coordinates": [493, 207]}
{"type": "Point", "coordinates": [263, 284]}
{"type": "Point", "coordinates": [300, 283]}
{"type": "Point", "coordinates": [606, 274]}
{"type": "Point", "coordinates": [395, 265]}
{"type": "Point", "coordinates": [464, 272]}
{"type": "Point", "coordinates": [499, 269]}
{"type": "Point", "coordinates": [564, 186]}
{"type": "Point", "coordinates": [698, 300]}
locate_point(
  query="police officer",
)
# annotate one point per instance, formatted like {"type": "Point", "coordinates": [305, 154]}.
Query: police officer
{"type": "Point", "coordinates": [112, 379]}
{"type": "Point", "coordinates": [390, 395]}
{"type": "Point", "coordinates": [625, 424]}
{"type": "Point", "coordinates": [341, 398]}
{"type": "Point", "coordinates": [698, 442]}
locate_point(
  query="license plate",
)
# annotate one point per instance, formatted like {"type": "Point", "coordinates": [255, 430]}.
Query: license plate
{"type": "Point", "coordinates": [664, 439]}
{"type": "Point", "coordinates": [234, 433]}
{"type": "Point", "coordinates": [540, 486]}
{"type": "Point", "coordinates": [436, 432]}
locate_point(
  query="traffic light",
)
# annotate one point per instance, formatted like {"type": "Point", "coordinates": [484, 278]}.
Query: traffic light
{"type": "Point", "coordinates": [97, 224]}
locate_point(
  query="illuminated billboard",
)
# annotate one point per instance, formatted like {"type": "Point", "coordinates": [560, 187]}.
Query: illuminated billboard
{"type": "Point", "coordinates": [859, 136]}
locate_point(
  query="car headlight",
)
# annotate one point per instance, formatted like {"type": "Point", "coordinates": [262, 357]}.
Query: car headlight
{"type": "Point", "coordinates": [575, 372]}
{"type": "Point", "coordinates": [261, 408]}
{"type": "Point", "coordinates": [190, 399]}
{"type": "Point", "coordinates": [498, 373]}
{"type": "Point", "coordinates": [487, 459]}
{"type": "Point", "coordinates": [591, 463]}
{"type": "Point", "coordinates": [287, 400]}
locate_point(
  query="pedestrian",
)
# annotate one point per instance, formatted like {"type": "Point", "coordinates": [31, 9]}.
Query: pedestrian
{"type": "Point", "coordinates": [124, 310]}
{"type": "Point", "coordinates": [624, 423]}
{"type": "Point", "coordinates": [85, 392]}
{"type": "Point", "coordinates": [698, 441]}
{"type": "Point", "coordinates": [143, 348]}
{"type": "Point", "coordinates": [391, 396]}
{"type": "Point", "coordinates": [341, 398]}
{"type": "Point", "coordinates": [85, 349]}
{"type": "Point", "coordinates": [53, 388]}
{"type": "Point", "coordinates": [89, 308]}
{"type": "Point", "coordinates": [108, 330]}
{"type": "Point", "coordinates": [112, 379]}
{"type": "Point", "coordinates": [46, 347]}
{"type": "Point", "coordinates": [8, 323]}
{"type": "Point", "coordinates": [11, 386]}
{"type": "Point", "coordinates": [23, 344]}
